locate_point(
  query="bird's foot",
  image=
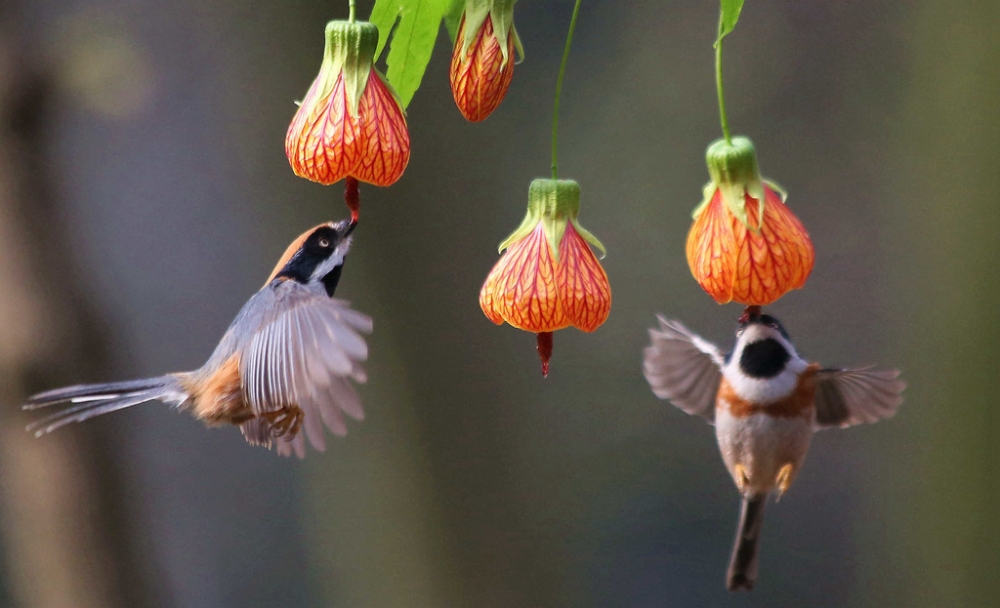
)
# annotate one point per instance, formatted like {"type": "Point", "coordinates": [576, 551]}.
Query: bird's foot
{"type": "Point", "coordinates": [784, 479]}
{"type": "Point", "coordinates": [285, 422]}
{"type": "Point", "coordinates": [742, 478]}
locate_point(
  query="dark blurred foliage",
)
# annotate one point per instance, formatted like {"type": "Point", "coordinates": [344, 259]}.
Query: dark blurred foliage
{"type": "Point", "coordinates": [473, 482]}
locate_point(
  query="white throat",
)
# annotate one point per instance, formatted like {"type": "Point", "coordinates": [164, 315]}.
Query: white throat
{"type": "Point", "coordinates": [336, 259]}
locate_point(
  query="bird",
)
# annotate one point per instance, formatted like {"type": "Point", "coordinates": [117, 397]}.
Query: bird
{"type": "Point", "coordinates": [765, 402]}
{"type": "Point", "coordinates": [282, 367]}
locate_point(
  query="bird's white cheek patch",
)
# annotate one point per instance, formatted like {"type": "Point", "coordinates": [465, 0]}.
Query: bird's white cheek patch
{"type": "Point", "coordinates": [327, 266]}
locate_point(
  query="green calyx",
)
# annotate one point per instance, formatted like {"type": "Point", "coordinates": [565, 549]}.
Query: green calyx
{"type": "Point", "coordinates": [350, 49]}
{"type": "Point", "coordinates": [734, 172]}
{"type": "Point", "coordinates": [501, 13]}
{"type": "Point", "coordinates": [554, 203]}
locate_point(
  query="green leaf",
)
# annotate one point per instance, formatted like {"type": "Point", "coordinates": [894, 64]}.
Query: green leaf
{"type": "Point", "coordinates": [412, 43]}
{"type": "Point", "coordinates": [730, 15]}
{"type": "Point", "coordinates": [453, 17]}
{"type": "Point", "coordinates": [384, 15]}
{"type": "Point", "coordinates": [416, 24]}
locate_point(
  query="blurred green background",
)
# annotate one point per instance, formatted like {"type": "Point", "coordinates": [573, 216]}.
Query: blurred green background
{"type": "Point", "coordinates": [144, 195]}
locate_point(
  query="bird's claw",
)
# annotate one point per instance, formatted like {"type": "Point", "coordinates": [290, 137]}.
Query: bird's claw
{"type": "Point", "coordinates": [742, 478]}
{"type": "Point", "coordinates": [784, 479]}
{"type": "Point", "coordinates": [285, 422]}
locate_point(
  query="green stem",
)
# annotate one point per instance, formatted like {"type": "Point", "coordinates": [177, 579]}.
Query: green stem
{"type": "Point", "coordinates": [718, 84]}
{"type": "Point", "coordinates": [350, 17]}
{"type": "Point", "coordinates": [559, 82]}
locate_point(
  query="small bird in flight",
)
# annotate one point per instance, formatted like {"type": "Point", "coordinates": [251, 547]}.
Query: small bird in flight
{"type": "Point", "coordinates": [765, 402]}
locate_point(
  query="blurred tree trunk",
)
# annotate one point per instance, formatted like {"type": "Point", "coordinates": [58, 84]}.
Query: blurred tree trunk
{"type": "Point", "coordinates": [64, 543]}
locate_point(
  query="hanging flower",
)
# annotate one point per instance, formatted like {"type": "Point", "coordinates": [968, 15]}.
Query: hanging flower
{"type": "Point", "coordinates": [350, 122]}
{"type": "Point", "coordinates": [548, 278]}
{"type": "Point", "coordinates": [482, 63]}
{"type": "Point", "coordinates": [745, 244]}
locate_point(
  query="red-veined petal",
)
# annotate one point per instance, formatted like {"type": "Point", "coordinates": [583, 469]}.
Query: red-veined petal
{"type": "Point", "coordinates": [384, 141]}
{"type": "Point", "coordinates": [774, 261]}
{"type": "Point", "coordinates": [711, 248]}
{"type": "Point", "coordinates": [732, 262]}
{"type": "Point", "coordinates": [584, 291]}
{"type": "Point", "coordinates": [320, 142]}
{"type": "Point", "coordinates": [521, 289]}
{"type": "Point", "coordinates": [325, 143]}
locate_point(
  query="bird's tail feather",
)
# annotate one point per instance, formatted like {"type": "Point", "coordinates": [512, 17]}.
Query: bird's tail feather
{"type": "Point", "coordinates": [743, 564]}
{"type": "Point", "coordinates": [89, 400]}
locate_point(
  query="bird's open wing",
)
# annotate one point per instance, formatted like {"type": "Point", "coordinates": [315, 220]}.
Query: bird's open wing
{"type": "Point", "coordinates": [845, 397]}
{"type": "Point", "coordinates": [305, 355]}
{"type": "Point", "coordinates": [683, 367]}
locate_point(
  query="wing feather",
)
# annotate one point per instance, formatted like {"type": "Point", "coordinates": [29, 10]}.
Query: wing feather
{"type": "Point", "coordinates": [337, 359]}
{"type": "Point", "coordinates": [286, 446]}
{"type": "Point", "coordinates": [343, 393]}
{"type": "Point", "coordinates": [303, 355]}
{"type": "Point", "coordinates": [683, 367]}
{"type": "Point", "coordinates": [333, 418]}
{"type": "Point", "coordinates": [312, 422]}
{"type": "Point", "coordinates": [845, 397]}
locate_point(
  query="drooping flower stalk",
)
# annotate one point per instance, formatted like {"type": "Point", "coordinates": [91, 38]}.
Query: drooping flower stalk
{"type": "Point", "coordinates": [559, 83]}
{"type": "Point", "coordinates": [745, 244]}
{"type": "Point", "coordinates": [547, 277]}
{"type": "Point", "coordinates": [723, 119]}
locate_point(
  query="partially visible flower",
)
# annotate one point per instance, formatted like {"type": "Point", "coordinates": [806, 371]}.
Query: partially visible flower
{"type": "Point", "coordinates": [548, 278]}
{"type": "Point", "coordinates": [745, 244]}
{"type": "Point", "coordinates": [482, 62]}
{"type": "Point", "coordinates": [350, 122]}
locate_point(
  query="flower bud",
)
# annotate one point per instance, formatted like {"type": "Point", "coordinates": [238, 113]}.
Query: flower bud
{"type": "Point", "coordinates": [482, 63]}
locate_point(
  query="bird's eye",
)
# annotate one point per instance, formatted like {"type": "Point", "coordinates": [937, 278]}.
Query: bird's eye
{"type": "Point", "coordinates": [739, 332]}
{"type": "Point", "coordinates": [324, 243]}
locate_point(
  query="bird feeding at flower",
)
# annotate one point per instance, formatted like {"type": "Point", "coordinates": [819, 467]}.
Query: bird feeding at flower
{"type": "Point", "coordinates": [482, 63]}
{"type": "Point", "coordinates": [350, 123]}
{"type": "Point", "coordinates": [547, 277]}
{"type": "Point", "coordinates": [765, 402]}
{"type": "Point", "coordinates": [745, 244]}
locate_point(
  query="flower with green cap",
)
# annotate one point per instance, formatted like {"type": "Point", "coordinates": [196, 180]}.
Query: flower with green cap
{"type": "Point", "coordinates": [350, 123]}
{"type": "Point", "coordinates": [482, 63]}
{"type": "Point", "coordinates": [548, 278]}
{"type": "Point", "coordinates": [745, 244]}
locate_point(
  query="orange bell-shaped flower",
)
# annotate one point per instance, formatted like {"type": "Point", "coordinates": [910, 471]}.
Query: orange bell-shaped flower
{"type": "Point", "coordinates": [548, 278]}
{"type": "Point", "coordinates": [482, 63]}
{"type": "Point", "coordinates": [350, 122]}
{"type": "Point", "coordinates": [745, 244]}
